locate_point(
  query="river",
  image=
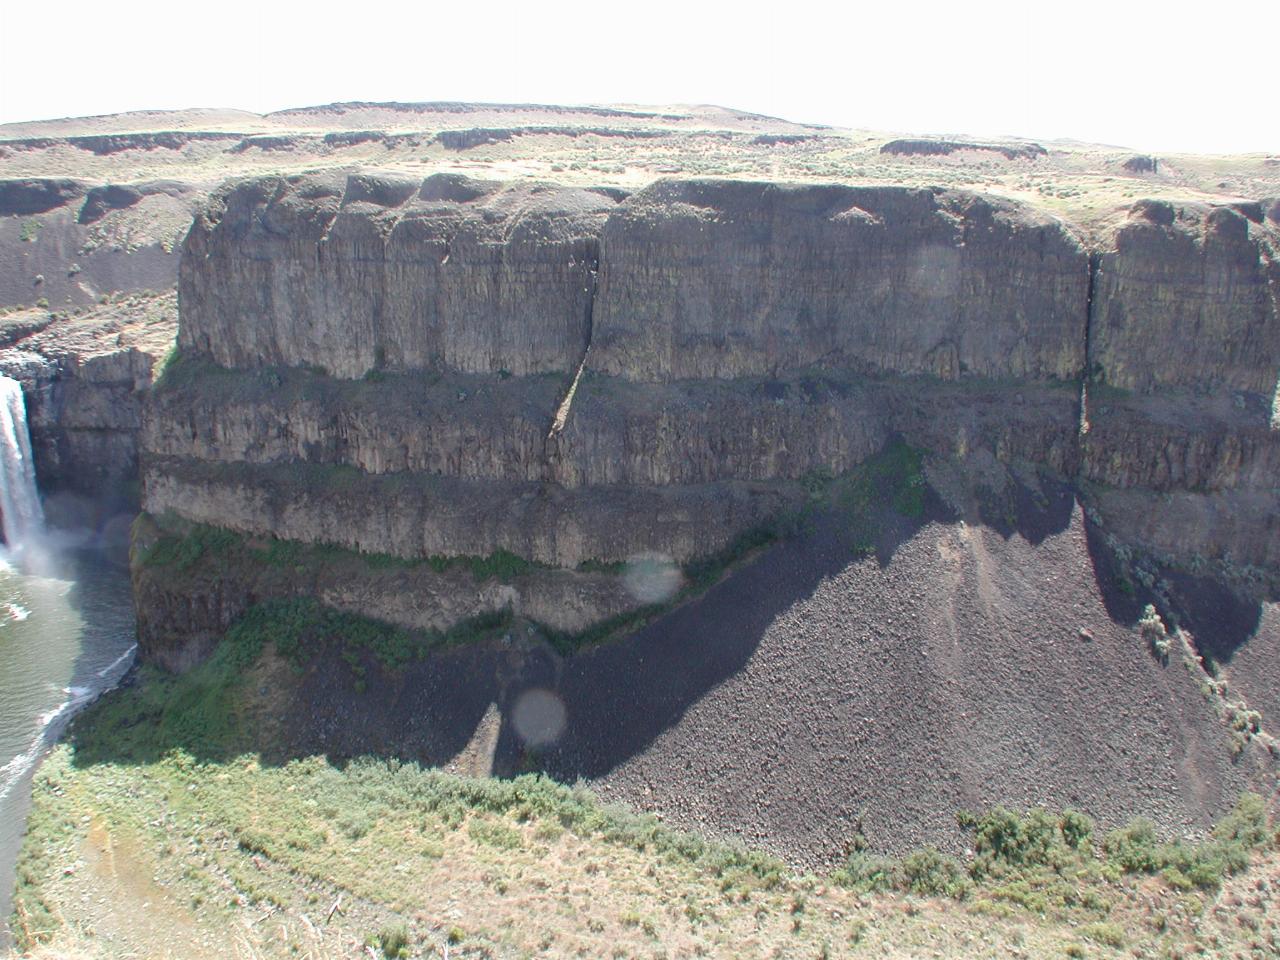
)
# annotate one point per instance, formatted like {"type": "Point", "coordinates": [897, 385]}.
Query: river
{"type": "Point", "coordinates": [65, 636]}
{"type": "Point", "coordinates": [66, 630]}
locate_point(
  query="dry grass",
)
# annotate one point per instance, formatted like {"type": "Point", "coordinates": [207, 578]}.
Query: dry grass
{"type": "Point", "coordinates": [175, 858]}
{"type": "Point", "coordinates": [1086, 184]}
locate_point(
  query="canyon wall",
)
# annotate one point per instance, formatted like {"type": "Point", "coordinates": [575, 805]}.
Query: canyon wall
{"type": "Point", "coordinates": [85, 373]}
{"type": "Point", "coordinates": [1187, 297]}
{"type": "Point", "coordinates": [728, 279]}
{"type": "Point", "coordinates": [67, 242]}
{"type": "Point", "coordinates": [453, 367]}
{"type": "Point", "coordinates": [87, 313]}
{"type": "Point", "coordinates": [1183, 425]}
{"type": "Point", "coordinates": [366, 273]}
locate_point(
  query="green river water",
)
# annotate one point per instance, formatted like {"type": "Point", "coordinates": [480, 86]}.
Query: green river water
{"type": "Point", "coordinates": [66, 635]}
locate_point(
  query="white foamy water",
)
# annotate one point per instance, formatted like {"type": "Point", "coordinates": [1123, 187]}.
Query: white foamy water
{"type": "Point", "coordinates": [119, 662]}
{"type": "Point", "coordinates": [19, 500]}
{"type": "Point", "coordinates": [47, 728]}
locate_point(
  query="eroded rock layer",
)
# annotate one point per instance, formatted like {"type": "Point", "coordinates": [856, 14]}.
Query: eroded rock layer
{"type": "Point", "coordinates": [1188, 296]}
{"type": "Point", "coordinates": [85, 374]}
{"type": "Point", "coordinates": [730, 279]}
{"type": "Point", "coordinates": [453, 367]}
{"type": "Point", "coordinates": [368, 273]}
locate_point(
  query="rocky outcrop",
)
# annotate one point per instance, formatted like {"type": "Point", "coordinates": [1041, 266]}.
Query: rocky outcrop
{"type": "Point", "coordinates": [373, 273]}
{"type": "Point", "coordinates": [619, 433]}
{"type": "Point", "coordinates": [106, 144]}
{"type": "Point", "coordinates": [85, 377]}
{"type": "Point", "coordinates": [23, 198]}
{"type": "Point", "coordinates": [1178, 440]}
{"type": "Point", "coordinates": [70, 243]}
{"type": "Point", "coordinates": [1187, 297]}
{"type": "Point", "coordinates": [1140, 163]}
{"type": "Point", "coordinates": [102, 200]}
{"type": "Point", "coordinates": [414, 516]}
{"type": "Point", "coordinates": [184, 607]}
{"type": "Point", "coordinates": [942, 148]}
{"type": "Point", "coordinates": [1185, 324]}
{"type": "Point", "coordinates": [729, 279]}
{"type": "Point", "coordinates": [1239, 531]}
{"type": "Point", "coordinates": [451, 367]}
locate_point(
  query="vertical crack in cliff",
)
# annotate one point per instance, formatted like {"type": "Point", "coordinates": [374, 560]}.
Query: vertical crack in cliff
{"type": "Point", "coordinates": [562, 411]}
{"type": "Point", "coordinates": [1095, 264]}
{"type": "Point", "coordinates": [1272, 272]}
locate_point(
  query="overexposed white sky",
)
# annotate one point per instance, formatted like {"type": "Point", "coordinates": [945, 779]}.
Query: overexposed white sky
{"type": "Point", "coordinates": [1195, 76]}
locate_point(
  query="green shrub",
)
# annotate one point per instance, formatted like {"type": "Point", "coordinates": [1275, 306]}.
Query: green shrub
{"type": "Point", "coordinates": [1136, 849]}
{"type": "Point", "coordinates": [494, 833]}
{"type": "Point", "coordinates": [1005, 840]}
{"type": "Point", "coordinates": [1153, 631]}
{"type": "Point", "coordinates": [394, 941]}
{"type": "Point", "coordinates": [1133, 847]}
{"type": "Point", "coordinates": [1077, 829]}
{"type": "Point", "coordinates": [1246, 824]}
{"type": "Point", "coordinates": [185, 550]}
{"type": "Point", "coordinates": [929, 873]}
{"type": "Point", "coordinates": [868, 873]}
{"type": "Point", "coordinates": [1108, 934]}
{"type": "Point", "coordinates": [500, 565]}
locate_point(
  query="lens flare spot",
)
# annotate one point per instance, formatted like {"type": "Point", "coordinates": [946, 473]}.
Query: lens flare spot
{"type": "Point", "coordinates": [652, 578]}
{"type": "Point", "coordinates": [539, 717]}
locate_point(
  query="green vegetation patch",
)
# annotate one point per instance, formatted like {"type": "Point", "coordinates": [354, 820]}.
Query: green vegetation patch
{"type": "Point", "coordinates": [249, 834]}
{"type": "Point", "coordinates": [182, 545]}
{"type": "Point", "coordinates": [1184, 866]}
{"type": "Point", "coordinates": [204, 709]}
{"type": "Point", "coordinates": [1048, 863]}
{"type": "Point", "coordinates": [896, 474]}
{"type": "Point", "coordinates": [170, 763]}
{"type": "Point", "coordinates": [892, 480]}
{"type": "Point", "coordinates": [890, 483]}
{"type": "Point", "coordinates": [184, 552]}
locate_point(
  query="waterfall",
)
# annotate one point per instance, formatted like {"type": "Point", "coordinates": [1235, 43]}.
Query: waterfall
{"type": "Point", "coordinates": [19, 501]}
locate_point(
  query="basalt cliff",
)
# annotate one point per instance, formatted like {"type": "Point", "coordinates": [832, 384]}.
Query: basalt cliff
{"type": "Point", "coordinates": [453, 367]}
{"type": "Point", "coordinates": [867, 487]}
{"type": "Point", "coordinates": [443, 400]}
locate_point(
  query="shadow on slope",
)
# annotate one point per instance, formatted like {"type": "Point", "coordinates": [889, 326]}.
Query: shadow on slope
{"type": "Point", "coordinates": [827, 682]}
{"type": "Point", "coordinates": [1219, 617]}
{"type": "Point", "coordinates": [460, 702]}
{"type": "Point", "coordinates": [623, 696]}
{"type": "Point", "coordinates": [1221, 620]}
